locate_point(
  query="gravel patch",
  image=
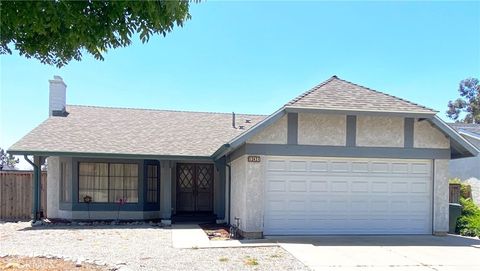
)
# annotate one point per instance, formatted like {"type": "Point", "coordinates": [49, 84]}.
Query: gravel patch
{"type": "Point", "coordinates": [134, 247]}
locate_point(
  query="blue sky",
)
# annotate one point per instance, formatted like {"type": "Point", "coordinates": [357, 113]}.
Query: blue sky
{"type": "Point", "coordinates": [253, 57]}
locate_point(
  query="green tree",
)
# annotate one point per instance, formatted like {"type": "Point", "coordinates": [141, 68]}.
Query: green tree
{"type": "Point", "coordinates": [7, 160]}
{"type": "Point", "coordinates": [57, 31]}
{"type": "Point", "coordinates": [468, 104]}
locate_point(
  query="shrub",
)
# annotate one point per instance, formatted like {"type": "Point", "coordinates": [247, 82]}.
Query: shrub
{"type": "Point", "coordinates": [469, 222]}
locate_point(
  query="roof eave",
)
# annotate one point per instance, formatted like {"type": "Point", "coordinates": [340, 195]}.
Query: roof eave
{"type": "Point", "coordinates": [462, 145]}
{"type": "Point", "coordinates": [297, 109]}
{"type": "Point", "coordinates": [469, 134]}
{"type": "Point", "coordinates": [108, 155]}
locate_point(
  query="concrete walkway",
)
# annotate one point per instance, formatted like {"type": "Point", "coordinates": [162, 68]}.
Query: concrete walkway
{"type": "Point", "coordinates": [192, 236]}
{"type": "Point", "coordinates": [394, 253]}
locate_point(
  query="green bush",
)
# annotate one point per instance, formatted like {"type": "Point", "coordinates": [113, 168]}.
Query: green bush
{"type": "Point", "coordinates": [469, 222]}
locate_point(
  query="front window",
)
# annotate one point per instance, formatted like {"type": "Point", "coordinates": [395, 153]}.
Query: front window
{"type": "Point", "coordinates": [152, 183]}
{"type": "Point", "coordinates": [108, 182]}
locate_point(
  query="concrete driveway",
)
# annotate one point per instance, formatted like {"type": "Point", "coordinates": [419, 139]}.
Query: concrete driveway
{"type": "Point", "coordinates": [421, 252]}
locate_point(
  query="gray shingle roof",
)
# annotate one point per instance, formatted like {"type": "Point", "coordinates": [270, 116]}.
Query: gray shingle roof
{"type": "Point", "coordinates": [338, 94]}
{"type": "Point", "coordinates": [467, 127]}
{"type": "Point", "coordinates": [107, 130]}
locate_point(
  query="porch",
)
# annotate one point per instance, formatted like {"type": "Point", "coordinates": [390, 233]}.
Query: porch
{"type": "Point", "coordinates": [86, 188]}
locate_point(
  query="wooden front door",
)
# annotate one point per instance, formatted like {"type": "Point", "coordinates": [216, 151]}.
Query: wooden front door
{"type": "Point", "coordinates": [194, 187]}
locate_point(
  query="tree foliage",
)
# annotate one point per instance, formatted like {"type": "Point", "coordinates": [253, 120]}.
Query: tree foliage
{"type": "Point", "coordinates": [7, 161]}
{"type": "Point", "coordinates": [57, 31]}
{"type": "Point", "coordinates": [468, 104]}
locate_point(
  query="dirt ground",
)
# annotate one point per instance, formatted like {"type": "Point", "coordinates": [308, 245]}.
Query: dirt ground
{"type": "Point", "coordinates": [28, 263]}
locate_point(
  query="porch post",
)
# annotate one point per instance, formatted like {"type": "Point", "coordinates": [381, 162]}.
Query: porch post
{"type": "Point", "coordinates": [37, 193]}
{"type": "Point", "coordinates": [37, 175]}
{"type": "Point", "coordinates": [166, 190]}
{"type": "Point", "coordinates": [220, 165]}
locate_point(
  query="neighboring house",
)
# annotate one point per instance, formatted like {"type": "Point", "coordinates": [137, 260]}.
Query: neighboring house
{"type": "Point", "coordinates": [468, 169]}
{"type": "Point", "coordinates": [338, 159]}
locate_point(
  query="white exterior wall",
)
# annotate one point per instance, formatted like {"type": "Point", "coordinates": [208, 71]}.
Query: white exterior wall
{"type": "Point", "coordinates": [53, 187]}
{"type": "Point", "coordinates": [440, 197]}
{"type": "Point", "coordinates": [273, 134]}
{"type": "Point", "coordinates": [427, 136]}
{"type": "Point", "coordinates": [374, 131]}
{"type": "Point", "coordinates": [322, 129]}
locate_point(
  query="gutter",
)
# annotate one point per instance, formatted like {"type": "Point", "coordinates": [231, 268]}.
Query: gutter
{"type": "Point", "coordinates": [36, 189]}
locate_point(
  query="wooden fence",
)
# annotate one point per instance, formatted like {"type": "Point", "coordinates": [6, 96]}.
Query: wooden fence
{"type": "Point", "coordinates": [16, 192]}
{"type": "Point", "coordinates": [454, 193]}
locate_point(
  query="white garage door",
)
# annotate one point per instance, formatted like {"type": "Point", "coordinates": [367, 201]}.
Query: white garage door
{"type": "Point", "coordinates": [305, 195]}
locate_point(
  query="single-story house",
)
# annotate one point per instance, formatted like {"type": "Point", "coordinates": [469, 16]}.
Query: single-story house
{"type": "Point", "coordinates": [468, 169]}
{"type": "Point", "coordinates": [338, 159]}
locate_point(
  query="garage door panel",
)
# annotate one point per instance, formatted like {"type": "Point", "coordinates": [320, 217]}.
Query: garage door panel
{"type": "Point", "coordinates": [297, 186]}
{"type": "Point", "coordinates": [399, 167]}
{"type": "Point", "coordinates": [276, 185]}
{"type": "Point", "coordinates": [340, 166]}
{"type": "Point", "coordinates": [380, 167]}
{"type": "Point", "coordinates": [298, 166]}
{"type": "Point", "coordinates": [347, 196]}
{"type": "Point", "coordinates": [318, 166]}
{"type": "Point", "coordinates": [318, 185]}
{"type": "Point", "coordinates": [277, 165]}
{"type": "Point", "coordinates": [360, 186]}
{"type": "Point", "coordinates": [339, 186]}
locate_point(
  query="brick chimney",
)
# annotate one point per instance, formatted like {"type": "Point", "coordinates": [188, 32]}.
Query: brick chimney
{"type": "Point", "coordinates": [57, 97]}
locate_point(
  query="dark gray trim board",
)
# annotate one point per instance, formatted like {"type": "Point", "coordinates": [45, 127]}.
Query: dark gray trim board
{"type": "Point", "coordinates": [356, 112]}
{"type": "Point", "coordinates": [340, 151]}
{"type": "Point", "coordinates": [351, 131]}
{"type": "Point", "coordinates": [408, 132]}
{"type": "Point", "coordinates": [292, 128]}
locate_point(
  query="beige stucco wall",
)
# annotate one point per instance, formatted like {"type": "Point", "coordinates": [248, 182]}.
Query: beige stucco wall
{"type": "Point", "coordinates": [273, 134]}
{"type": "Point", "coordinates": [238, 190]}
{"type": "Point", "coordinates": [376, 131]}
{"type": "Point", "coordinates": [247, 195]}
{"type": "Point", "coordinates": [440, 196]}
{"type": "Point", "coordinates": [322, 129]}
{"type": "Point", "coordinates": [427, 136]}
{"type": "Point", "coordinates": [255, 199]}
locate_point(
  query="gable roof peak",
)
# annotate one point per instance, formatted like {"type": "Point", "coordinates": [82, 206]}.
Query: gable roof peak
{"type": "Point", "coordinates": [339, 94]}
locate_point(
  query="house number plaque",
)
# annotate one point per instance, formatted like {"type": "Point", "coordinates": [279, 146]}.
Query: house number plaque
{"type": "Point", "coordinates": [254, 159]}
